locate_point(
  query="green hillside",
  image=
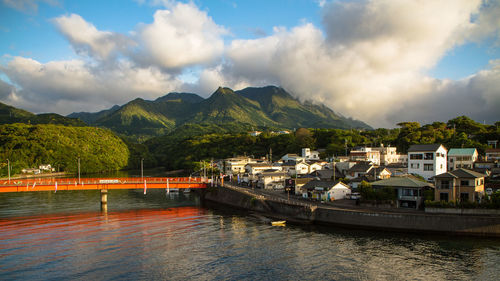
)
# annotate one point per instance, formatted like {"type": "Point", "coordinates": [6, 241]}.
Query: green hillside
{"type": "Point", "coordinates": [29, 146]}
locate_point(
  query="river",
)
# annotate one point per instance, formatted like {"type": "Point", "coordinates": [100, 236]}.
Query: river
{"type": "Point", "coordinates": [63, 235]}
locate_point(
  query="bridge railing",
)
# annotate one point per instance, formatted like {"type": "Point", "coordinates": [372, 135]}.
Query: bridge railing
{"type": "Point", "coordinates": [52, 181]}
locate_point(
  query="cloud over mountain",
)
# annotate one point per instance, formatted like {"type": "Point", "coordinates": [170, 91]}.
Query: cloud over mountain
{"type": "Point", "coordinates": [368, 60]}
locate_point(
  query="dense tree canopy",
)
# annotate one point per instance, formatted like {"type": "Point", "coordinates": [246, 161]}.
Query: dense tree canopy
{"type": "Point", "coordinates": [28, 146]}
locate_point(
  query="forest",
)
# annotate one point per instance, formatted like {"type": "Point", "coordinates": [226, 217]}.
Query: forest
{"type": "Point", "coordinates": [175, 152]}
{"type": "Point", "coordinates": [28, 146]}
{"type": "Point", "coordinates": [99, 150]}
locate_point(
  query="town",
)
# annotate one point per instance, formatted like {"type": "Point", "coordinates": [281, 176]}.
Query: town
{"type": "Point", "coordinates": [427, 172]}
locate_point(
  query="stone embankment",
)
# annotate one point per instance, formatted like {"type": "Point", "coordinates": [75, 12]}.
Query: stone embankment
{"type": "Point", "coordinates": [312, 213]}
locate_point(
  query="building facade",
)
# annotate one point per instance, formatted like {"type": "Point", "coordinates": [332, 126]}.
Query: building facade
{"type": "Point", "coordinates": [427, 160]}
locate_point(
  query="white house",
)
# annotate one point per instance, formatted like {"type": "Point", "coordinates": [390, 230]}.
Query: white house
{"type": "Point", "coordinates": [310, 155]}
{"type": "Point", "coordinates": [253, 169]}
{"type": "Point", "coordinates": [427, 160]}
{"type": "Point", "coordinates": [461, 158]}
{"type": "Point", "coordinates": [365, 154]}
{"type": "Point", "coordinates": [325, 190]}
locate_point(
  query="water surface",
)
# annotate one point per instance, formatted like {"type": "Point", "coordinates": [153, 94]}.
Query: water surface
{"type": "Point", "coordinates": [53, 236]}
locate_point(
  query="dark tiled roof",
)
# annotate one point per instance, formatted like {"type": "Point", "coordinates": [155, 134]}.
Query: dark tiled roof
{"type": "Point", "coordinates": [460, 173]}
{"type": "Point", "coordinates": [401, 182]}
{"type": "Point", "coordinates": [326, 185]}
{"type": "Point", "coordinates": [360, 167]}
{"type": "Point", "coordinates": [424, 147]}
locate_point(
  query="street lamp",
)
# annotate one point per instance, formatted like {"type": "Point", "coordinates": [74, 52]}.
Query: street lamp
{"type": "Point", "coordinates": [142, 168]}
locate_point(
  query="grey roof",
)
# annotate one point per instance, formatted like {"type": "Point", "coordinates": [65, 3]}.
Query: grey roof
{"type": "Point", "coordinates": [401, 182]}
{"type": "Point", "coordinates": [460, 173]}
{"type": "Point", "coordinates": [315, 183]}
{"type": "Point", "coordinates": [424, 147]}
{"type": "Point", "coordinates": [327, 173]}
{"type": "Point", "coordinates": [360, 167]}
{"type": "Point", "coordinates": [274, 173]}
{"type": "Point", "coordinates": [259, 164]}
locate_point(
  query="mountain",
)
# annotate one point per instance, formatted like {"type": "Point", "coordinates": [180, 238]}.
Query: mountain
{"type": "Point", "coordinates": [260, 107]}
{"type": "Point", "coordinates": [10, 115]}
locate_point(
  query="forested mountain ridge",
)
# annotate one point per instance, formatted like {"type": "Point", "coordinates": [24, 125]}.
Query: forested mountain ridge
{"type": "Point", "coordinates": [10, 115]}
{"type": "Point", "coordinates": [259, 107]}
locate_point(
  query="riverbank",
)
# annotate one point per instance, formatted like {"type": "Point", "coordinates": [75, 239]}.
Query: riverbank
{"type": "Point", "coordinates": [316, 213]}
{"type": "Point", "coordinates": [42, 175]}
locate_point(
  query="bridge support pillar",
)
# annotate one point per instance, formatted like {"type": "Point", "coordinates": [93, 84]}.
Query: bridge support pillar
{"type": "Point", "coordinates": [104, 200]}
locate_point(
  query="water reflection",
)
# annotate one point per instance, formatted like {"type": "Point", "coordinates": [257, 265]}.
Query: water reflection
{"type": "Point", "coordinates": [162, 236]}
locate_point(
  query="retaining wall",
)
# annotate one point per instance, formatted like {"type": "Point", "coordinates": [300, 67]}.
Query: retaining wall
{"type": "Point", "coordinates": [477, 225]}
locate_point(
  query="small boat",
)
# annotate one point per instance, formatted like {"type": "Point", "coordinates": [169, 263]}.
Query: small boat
{"type": "Point", "coordinates": [278, 223]}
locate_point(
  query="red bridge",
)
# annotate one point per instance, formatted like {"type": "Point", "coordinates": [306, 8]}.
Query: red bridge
{"type": "Point", "coordinates": [58, 184]}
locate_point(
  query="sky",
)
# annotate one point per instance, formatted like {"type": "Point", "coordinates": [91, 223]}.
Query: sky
{"type": "Point", "coordinates": [379, 61]}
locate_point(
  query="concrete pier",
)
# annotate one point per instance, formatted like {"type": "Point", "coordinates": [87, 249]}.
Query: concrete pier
{"type": "Point", "coordinates": [104, 200]}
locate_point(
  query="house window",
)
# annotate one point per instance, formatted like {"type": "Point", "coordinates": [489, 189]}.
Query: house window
{"type": "Point", "coordinates": [464, 183]}
{"type": "Point", "coordinates": [415, 165]}
{"type": "Point", "coordinates": [481, 181]}
{"type": "Point", "coordinates": [443, 196]}
{"type": "Point", "coordinates": [429, 156]}
{"type": "Point", "coordinates": [428, 167]}
{"type": "Point", "coordinates": [445, 185]}
{"type": "Point", "coordinates": [409, 192]}
{"type": "Point", "coordinates": [416, 156]}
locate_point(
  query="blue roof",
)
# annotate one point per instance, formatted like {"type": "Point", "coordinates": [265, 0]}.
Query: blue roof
{"type": "Point", "coordinates": [461, 151]}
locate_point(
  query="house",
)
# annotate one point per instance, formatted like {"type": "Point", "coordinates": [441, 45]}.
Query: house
{"type": "Point", "coordinates": [327, 174]}
{"type": "Point", "coordinates": [358, 170]}
{"type": "Point", "coordinates": [237, 165]}
{"type": "Point", "coordinates": [34, 171]}
{"type": "Point", "coordinates": [295, 184]}
{"type": "Point", "coordinates": [459, 185]}
{"type": "Point", "coordinates": [253, 169]}
{"type": "Point", "coordinates": [409, 190]}
{"type": "Point", "coordinates": [295, 168]}
{"type": "Point", "coordinates": [365, 154]}
{"type": "Point", "coordinates": [461, 158]}
{"type": "Point", "coordinates": [492, 154]}
{"type": "Point", "coordinates": [310, 155]}
{"type": "Point", "coordinates": [427, 160]}
{"type": "Point", "coordinates": [325, 190]}
{"type": "Point", "coordinates": [292, 157]}
{"type": "Point", "coordinates": [389, 155]}
{"type": "Point", "coordinates": [315, 165]}
{"type": "Point", "coordinates": [46, 168]}
{"type": "Point", "coordinates": [272, 179]}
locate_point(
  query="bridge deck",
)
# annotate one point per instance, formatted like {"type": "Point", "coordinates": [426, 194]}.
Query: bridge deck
{"type": "Point", "coordinates": [57, 184]}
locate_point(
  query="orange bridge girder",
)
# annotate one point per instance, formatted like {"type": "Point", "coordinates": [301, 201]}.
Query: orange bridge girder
{"type": "Point", "coordinates": [60, 184]}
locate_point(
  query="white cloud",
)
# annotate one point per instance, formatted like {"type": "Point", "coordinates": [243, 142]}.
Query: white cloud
{"type": "Point", "coordinates": [87, 40]}
{"type": "Point", "coordinates": [179, 37]}
{"type": "Point", "coordinates": [67, 86]}
{"type": "Point", "coordinates": [369, 61]}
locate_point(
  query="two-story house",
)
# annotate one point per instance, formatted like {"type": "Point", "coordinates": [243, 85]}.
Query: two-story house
{"type": "Point", "coordinates": [272, 179]}
{"type": "Point", "coordinates": [459, 185]}
{"type": "Point", "coordinates": [236, 165]}
{"type": "Point", "coordinates": [461, 158]}
{"type": "Point", "coordinates": [309, 154]}
{"type": "Point", "coordinates": [427, 160]}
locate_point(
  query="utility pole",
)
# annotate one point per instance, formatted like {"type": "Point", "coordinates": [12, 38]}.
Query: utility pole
{"type": "Point", "coordinates": [142, 168]}
{"type": "Point", "coordinates": [8, 168]}
{"type": "Point", "coordinates": [271, 155]}
{"type": "Point", "coordinates": [78, 170]}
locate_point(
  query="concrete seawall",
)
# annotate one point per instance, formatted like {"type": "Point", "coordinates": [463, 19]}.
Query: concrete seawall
{"type": "Point", "coordinates": [477, 225]}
